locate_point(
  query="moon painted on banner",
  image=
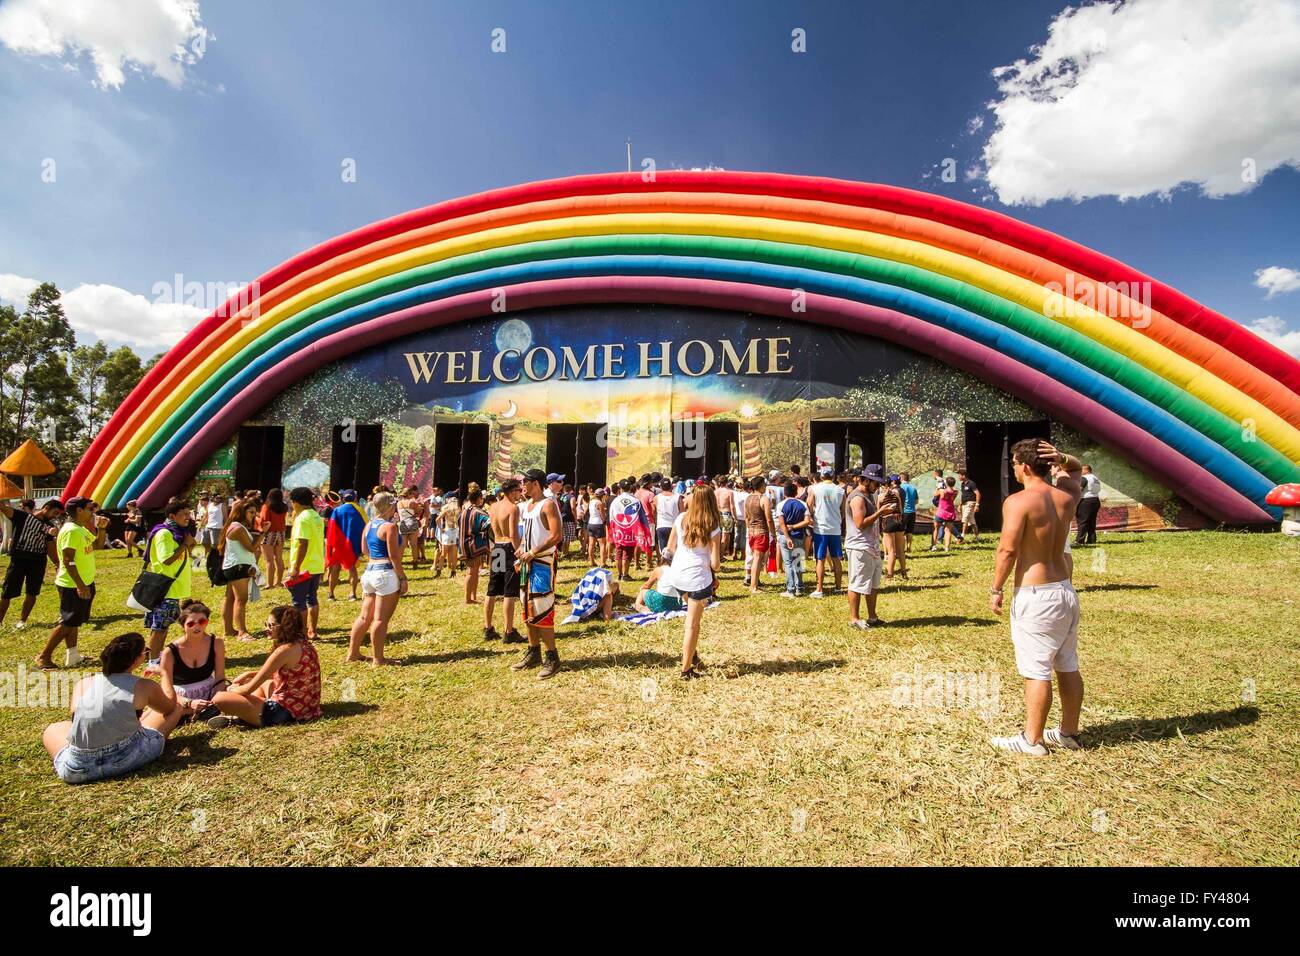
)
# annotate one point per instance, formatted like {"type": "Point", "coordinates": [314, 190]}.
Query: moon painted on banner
{"type": "Point", "coordinates": [511, 411]}
{"type": "Point", "coordinates": [514, 334]}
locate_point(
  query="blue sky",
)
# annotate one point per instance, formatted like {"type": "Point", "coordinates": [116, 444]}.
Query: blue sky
{"type": "Point", "coordinates": [236, 166]}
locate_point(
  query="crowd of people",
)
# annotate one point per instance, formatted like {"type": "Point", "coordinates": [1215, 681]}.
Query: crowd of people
{"type": "Point", "coordinates": [853, 530]}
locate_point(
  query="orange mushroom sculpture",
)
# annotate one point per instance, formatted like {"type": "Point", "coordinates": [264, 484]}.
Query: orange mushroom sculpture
{"type": "Point", "coordinates": [27, 461]}
{"type": "Point", "coordinates": [1287, 497]}
{"type": "Point", "coordinates": [8, 489]}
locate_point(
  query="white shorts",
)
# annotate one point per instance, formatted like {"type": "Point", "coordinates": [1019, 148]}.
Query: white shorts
{"type": "Point", "coordinates": [1045, 629]}
{"type": "Point", "coordinates": [448, 536]}
{"type": "Point", "coordinates": [380, 581]}
{"type": "Point", "coordinates": [864, 571]}
{"type": "Point", "coordinates": [967, 511]}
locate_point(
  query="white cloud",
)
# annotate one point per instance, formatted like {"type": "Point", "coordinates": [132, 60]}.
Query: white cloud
{"type": "Point", "coordinates": [1277, 280]}
{"type": "Point", "coordinates": [1137, 99]}
{"type": "Point", "coordinates": [115, 315]}
{"type": "Point", "coordinates": [161, 37]}
{"type": "Point", "coordinates": [1271, 328]}
{"type": "Point", "coordinates": [14, 290]}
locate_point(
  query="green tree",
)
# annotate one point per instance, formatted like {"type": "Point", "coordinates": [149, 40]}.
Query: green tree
{"type": "Point", "coordinates": [102, 379]}
{"type": "Point", "coordinates": [38, 392]}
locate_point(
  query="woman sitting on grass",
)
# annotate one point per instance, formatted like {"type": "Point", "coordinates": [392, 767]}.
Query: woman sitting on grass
{"type": "Point", "coordinates": [657, 595]}
{"type": "Point", "coordinates": [293, 670]}
{"type": "Point", "coordinates": [105, 737]}
{"type": "Point", "coordinates": [193, 668]}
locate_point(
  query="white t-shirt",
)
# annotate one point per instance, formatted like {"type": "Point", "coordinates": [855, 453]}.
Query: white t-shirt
{"type": "Point", "coordinates": [665, 588]}
{"type": "Point", "coordinates": [692, 568]}
{"type": "Point", "coordinates": [216, 516]}
{"type": "Point", "coordinates": [738, 500]}
{"type": "Point", "coordinates": [828, 503]}
{"type": "Point", "coordinates": [1091, 486]}
{"type": "Point", "coordinates": [666, 508]}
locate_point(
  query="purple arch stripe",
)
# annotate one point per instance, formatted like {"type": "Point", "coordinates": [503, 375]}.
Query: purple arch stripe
{"type": "Point", "coordinates": [1167, 466]}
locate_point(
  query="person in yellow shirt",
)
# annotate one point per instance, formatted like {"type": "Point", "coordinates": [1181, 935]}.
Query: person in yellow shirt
{"type": "Point", "coordinates": [82, 532]}
{"type": "Point", "coordinates": [306, 555]}
{"type": "Point", "coordinates": [168, 551]}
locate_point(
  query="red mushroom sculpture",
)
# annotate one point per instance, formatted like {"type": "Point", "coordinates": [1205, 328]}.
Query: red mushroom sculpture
{"type": "Point", "coordinates": [1287, 497]}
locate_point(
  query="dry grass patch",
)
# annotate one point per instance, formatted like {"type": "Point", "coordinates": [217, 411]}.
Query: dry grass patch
{"type": "Point", "coordinates": [795, 749]}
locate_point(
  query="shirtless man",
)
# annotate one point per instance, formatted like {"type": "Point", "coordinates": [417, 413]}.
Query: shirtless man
{"type": "Point", "coordinates": [503, 573]}
{"type": "Point", "coordinates": [543, 530]}
{"type": "Point", "coordinates": [1045, 608]}
{"type": "Point", "coordinates": [727, 508]}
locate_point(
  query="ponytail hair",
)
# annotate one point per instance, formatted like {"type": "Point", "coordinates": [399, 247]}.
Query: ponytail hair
{"type": "Point", "coordinates": [121, 653]}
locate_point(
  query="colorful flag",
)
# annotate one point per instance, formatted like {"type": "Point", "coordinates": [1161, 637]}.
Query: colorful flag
{"type": "Point", "coordinates": [343, 535]}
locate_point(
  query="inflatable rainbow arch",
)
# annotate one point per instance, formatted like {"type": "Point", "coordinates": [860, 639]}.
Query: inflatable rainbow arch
{"type": "Point", "coordinates": [1198, 402]}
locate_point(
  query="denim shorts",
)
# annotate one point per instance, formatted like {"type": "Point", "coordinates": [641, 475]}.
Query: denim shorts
{"type": "Point", "coordinates": [274, 713]}
{"type": "Point", "coordinates": [86, 766]}
{"type": "Point", "coordinates": [304, 595]}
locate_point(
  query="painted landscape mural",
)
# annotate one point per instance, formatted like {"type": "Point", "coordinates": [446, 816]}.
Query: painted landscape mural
{"type": "Point", "coordinates": [637, 369]}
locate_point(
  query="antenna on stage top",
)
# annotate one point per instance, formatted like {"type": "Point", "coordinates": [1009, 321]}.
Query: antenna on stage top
{"type": "Point", "coordinates": [629, 154]}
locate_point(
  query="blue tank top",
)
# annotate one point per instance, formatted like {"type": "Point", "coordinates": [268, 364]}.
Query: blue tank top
{"type": "Point", "coordinates": [376, 547]}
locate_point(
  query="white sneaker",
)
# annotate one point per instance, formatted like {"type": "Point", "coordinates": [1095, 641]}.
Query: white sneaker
{"type": "Point", "coordinates": [1019, 744]}
{"type": "Point", "coordinates": [1052, 737]}
{"type": "Point", "coordinates": [816, 594]}
{"type": "Point", "coordinates": [860, 625]}
{"type": "Point", "coordinates": [787, 594]}
{"type": "Point", "coordinates": [19, 625]}
{"type": "Point", "coordinates": [73, 657]}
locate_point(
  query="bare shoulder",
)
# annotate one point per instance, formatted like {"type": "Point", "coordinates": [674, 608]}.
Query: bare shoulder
{"type": "Point", "coordinates": [1015, 502]}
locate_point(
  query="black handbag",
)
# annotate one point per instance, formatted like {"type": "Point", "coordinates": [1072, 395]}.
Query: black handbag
{"type": "Point", "coordinates": [216, 576]}
{"type": "Point", "coordinates": [151, 588]}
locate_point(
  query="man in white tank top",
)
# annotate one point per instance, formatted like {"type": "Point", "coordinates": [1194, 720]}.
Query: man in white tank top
{"type": "Point", "coordinates": [541, 532]}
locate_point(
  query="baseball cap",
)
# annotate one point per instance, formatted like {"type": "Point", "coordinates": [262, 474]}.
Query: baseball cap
{"type": "Point", "coordinates": [774, 474]}
{"type": "Point", "coordinates": [72, 504]}
{"type": "Point", "coordinates": [535, 474]}
{"type": "Point", "coordinates": [554, 477]}
{"type": "Point", "coordinates": [826, 472]}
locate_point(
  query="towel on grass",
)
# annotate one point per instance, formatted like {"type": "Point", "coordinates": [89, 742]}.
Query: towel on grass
{"type": "Point", "coordinates": [640, 620]}
{"type": "Point", "coordinates": [591, 590]}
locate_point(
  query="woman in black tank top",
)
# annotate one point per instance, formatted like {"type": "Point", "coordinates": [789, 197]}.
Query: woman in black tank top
{"type": "Point", "coordinates": [185, 682]}
{"type": "Point", "coordinates": [183, 673]}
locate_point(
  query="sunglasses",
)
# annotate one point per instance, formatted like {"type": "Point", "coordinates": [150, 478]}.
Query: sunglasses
{"type": "Point", "coordinates": [197, 622]}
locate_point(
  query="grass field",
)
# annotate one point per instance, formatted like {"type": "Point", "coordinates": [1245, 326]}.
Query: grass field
{"type": "Point", "coordinates": [802, 746]}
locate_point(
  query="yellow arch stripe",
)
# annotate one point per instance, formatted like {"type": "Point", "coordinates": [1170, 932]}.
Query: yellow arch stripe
{"type": "Point", "coordinates": [1053, 306]}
